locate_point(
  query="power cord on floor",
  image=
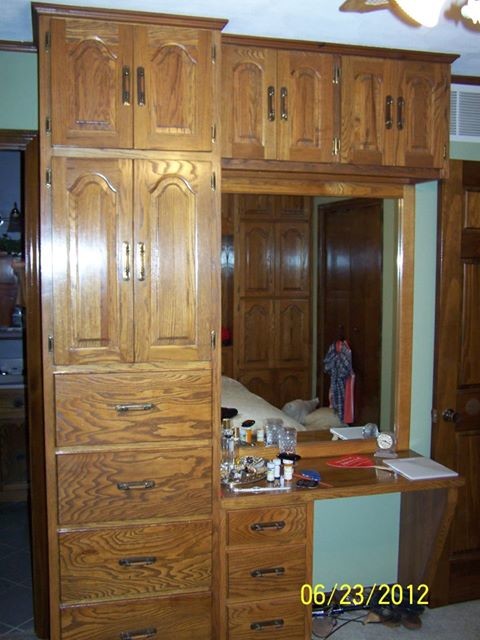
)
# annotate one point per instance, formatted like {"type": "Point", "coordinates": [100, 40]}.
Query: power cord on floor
{"type": "Point", "coordinates": [337, 627]}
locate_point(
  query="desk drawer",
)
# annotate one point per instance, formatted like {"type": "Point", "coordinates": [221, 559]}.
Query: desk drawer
{"type": "Point", "coordinates": [266, 526]}
{"type": "Point", "coordinates": [120, 485]}
{"type": "Point", "coordinates": [12, 403]}
{"type": "Point", "coordinates": [257, 572]}
{"type": "Point", "coordinates": [127, 562]}
{"type": "Point", "coordinates": [273, 619]}
{"type": "Point", "coordinates": [116, 408]}
{"type": "Point", "coordinates": [173, 618]}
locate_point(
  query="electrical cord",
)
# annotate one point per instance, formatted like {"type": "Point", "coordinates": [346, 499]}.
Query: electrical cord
{"type": "Point", "coordinates": [337, 627]}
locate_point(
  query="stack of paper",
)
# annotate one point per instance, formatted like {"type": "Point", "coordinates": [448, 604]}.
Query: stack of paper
{"type": "Point", "coordinates": [420, 468]}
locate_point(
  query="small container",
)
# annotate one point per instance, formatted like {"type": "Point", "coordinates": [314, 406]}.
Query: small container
{"type": "Point", "coordinates": [270, 472]}
{"type": "Point", "coordinates": [277, 467]}
{"type": "Point", "coordinates": [246, 434]}
{"type": "Point", "coordinates": [288, 469]}
{"type": "Point", "coordinates": [260, 434]}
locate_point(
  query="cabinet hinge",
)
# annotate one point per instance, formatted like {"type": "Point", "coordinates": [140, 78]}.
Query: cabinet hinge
{"type": "Point", "coordinates": [336, 74]}
{"type": "Point", "coordinates": [214, 53]}
{"type": "Point", "coordinates": [50, 344]}
{"type": "Point", "coordinates": [213, 339]}
{"type": "Point", "coordinates": [434, 416]}
{"type": "Point", "coordinates": [336, 147]}
{"type": "Point", "coordinates": [213, 181]}
{"type": "Point", "coordinates": [48, 125]}
{"type": "Point", "coordinates": [48, 40]}
{"type": "Point", "coordinates": [48, 178]}
{"type": "Point", "coordinates": [214, 132]}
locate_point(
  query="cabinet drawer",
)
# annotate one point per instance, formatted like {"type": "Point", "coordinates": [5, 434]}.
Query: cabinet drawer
{"type": "Point", "coordinates": [173, 618]}
{"type": "Point", "coordinates": [12, 403]}
{"type": "Point", "coordinates": [279, 524]}
{"type": "Point", "coordinates": [134, 407]}
{"type": "Point", "coordinates": [119, 485]}
{"type": "Point", "coordinates": [257, 572]}
{"type": "Point", "coordinates": [130, 561]}
{"type": "Point", "coordinates": [282, 619]}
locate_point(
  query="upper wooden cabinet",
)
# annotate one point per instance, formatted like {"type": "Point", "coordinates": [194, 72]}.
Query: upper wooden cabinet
{"type": "Point", "coordinates": [277, 105]}
{"type": "Point", "coordinates": [394, 112]}
{"type": "Point", "coordinates": [132, 277]}
{"type": "Point", "coordinates": [119, 85]}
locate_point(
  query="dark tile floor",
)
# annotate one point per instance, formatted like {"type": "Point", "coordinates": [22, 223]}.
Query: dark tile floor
{"type": "Point", "coordinates": [16, 616]}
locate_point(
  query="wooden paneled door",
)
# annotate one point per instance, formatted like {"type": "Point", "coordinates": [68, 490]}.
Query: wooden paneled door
{"type": "Point", "coordinates": [456, 402]}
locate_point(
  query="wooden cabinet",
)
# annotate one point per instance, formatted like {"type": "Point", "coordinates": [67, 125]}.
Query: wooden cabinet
{"type": "Point", "coordinates": [265, 565]}
{"type": "Point", "coordinates": [131, 276]}
{"type": "Point", "coordinates": [13, 454]}
{"type": "Point", "coordinates": [279, 103]}
{"type": "Point", "coordinates": [143, 86]}
{"type": "Point", "coordinates": [130, 312]}
{"type": "Point", "coordinates": [272, 295]}
{"type": "Point", "coordinates": [394, 112]}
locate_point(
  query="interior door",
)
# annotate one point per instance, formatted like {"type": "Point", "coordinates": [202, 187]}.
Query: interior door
{"type": "Point", "coordinates": [456, 402]}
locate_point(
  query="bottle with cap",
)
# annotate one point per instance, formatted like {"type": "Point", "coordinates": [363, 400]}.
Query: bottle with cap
{"type": "Point", "coordinates": [277, 463]}
{"type": "Point", "coordinates": [270, 472]}
{"type": "Point", "coordinates": [288, 469]}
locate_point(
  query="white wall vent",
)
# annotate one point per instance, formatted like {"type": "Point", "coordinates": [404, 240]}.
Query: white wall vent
{"type": "Point", "coordinates": [465, 113]}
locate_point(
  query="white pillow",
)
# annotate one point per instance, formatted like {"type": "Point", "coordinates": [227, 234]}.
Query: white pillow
{"type": "Point", "coordinates": [323, 418]}
{"type": "Point", "coordinates": [298, 409]}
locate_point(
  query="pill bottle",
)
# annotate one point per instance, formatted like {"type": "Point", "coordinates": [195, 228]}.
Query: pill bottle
{"type": "Point", "coordinates": [288, 469]}
{"type": "Point", "coordinates": [270, 472]}
{"type": "Point", "coordinates": [277, 467]}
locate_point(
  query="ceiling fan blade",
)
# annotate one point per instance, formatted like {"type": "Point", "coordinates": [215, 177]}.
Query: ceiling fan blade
{"type": "Point", "coordinates": [362, 6]}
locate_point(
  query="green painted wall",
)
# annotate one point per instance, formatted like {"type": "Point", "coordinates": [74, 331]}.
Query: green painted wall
{"type": "Point", "coordinates": [356, 539]}
{"type": "Point", "coordinates": [18, 97]}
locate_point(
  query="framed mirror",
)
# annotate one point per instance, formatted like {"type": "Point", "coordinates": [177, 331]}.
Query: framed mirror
{"type": "Point", "coordinates": [397, 321]}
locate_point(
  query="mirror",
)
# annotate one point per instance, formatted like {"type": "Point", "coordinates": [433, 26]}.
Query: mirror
{"type": "Point", "coordinates": [392, 406]}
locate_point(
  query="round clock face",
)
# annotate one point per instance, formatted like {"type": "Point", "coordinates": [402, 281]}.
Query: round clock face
{"type": "Point", "coordinates": [385, 440]}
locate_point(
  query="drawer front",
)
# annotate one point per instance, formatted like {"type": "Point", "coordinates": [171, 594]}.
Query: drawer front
{"type": "Point", "coordinates": [257, 526]}
{"type": "Point", "coordinates": [257, 572]}
{"type": "Point", "coordinates": [119, 485]}
{"type": "Point", "coordinates": [173, 618]}
{"type": "Point", "coordinates": [126, 562]}
{"type": "Point", "coordinates": [12, 403]}
{"type": "Point", "coordinates": [273, 619]}
{"type": "Point", "coordinates": [132, 407]}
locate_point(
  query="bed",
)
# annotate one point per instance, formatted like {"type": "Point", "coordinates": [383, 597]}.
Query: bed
{"type": "Point", "coordinates": [252, 407]}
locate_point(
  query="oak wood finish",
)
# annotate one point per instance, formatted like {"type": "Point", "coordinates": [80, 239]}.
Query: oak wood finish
{"type": "Point", "coordinates": [13, 460]}
{"type": "Point", "coordinates": [289, 614]}
{"type": "Point", "coordinates": [256, 526]}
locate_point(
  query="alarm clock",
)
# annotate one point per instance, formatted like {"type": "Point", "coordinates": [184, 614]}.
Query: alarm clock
{"type": "Point", "coordinates": [386, 442]}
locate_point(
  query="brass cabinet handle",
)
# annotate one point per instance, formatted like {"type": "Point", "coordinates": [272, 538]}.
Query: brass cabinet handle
{"type": "Point", "coordinates": [140, 261]}
{"type": "Point", "coordinates": [139, 484]}
{"type": "Point", "coordinates": [135, 562]}
{"type": "Point", "coordinates": [138, 635]}
{"type": "Point", "coordinates": [261, 526]}
{"type": "Point", "coordinates": [388, 112]}
{"type": "Point", "coordinates": [141, 86]}
{"type": "Point", "coordinates": [259, 573]}
{"type": "Point", "coordinates": [258, 626]}
{"type": "Point", "coordinates": [400, 114]}
{"type": "Point", "coordinates": [125, 260]}
{"type": "Point", "coordinates": [283, 103]}
{"type": "Point", "coordinates": [146, 406]}
{"type": "Point", "coordinates": [271, 106]}
{"type": "Point", "coordinates": [126, 85]}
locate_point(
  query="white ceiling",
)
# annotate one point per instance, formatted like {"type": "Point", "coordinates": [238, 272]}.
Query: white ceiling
{"type": "Point", "coordinates": [317, 20]}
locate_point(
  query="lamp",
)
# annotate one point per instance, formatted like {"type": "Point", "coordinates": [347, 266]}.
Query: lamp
{"type": "Point", "coordinates": [425, 12]}
{"type": "Point", "coordinates": [15, 222]}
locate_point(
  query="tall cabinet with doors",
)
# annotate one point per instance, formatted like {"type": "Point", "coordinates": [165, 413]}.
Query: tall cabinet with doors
{"type": "Point", "coordinates": [130, 201]}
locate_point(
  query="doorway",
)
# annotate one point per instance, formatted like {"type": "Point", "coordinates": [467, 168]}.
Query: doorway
{"type": "Point", "coordinates": [25, 144]}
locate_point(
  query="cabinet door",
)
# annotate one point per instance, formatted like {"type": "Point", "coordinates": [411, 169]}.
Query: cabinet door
{"type": "Point", "coordinates": [174, 88]}
{"type": "Point", "coordinates": [92, 238]}
{"type": "Point", "coordinates": [255, 334]}
{"type": "Point", "coordinates": [292, 333]}
{"type": "Point", "coordinates": [306, 106]}
{"type": "Point", "coordinates": [261, 383]}
{"type": "Point", "coordinates": [291, 384]}
{"type": "Point", "coordinates": [292, 243]}
{"type": "Point", "coordinates": [422, 114]}
{"type": "Point", "coordinates": [256, 258]}
{"type": "Point", "coordinates": [91, 83]}
{"type": "Point", "coordinates": [175, 239]}
{"type": "Point", "coordinates": [365, 115]}
{"type": "Point", "coordinates": [249, 102]}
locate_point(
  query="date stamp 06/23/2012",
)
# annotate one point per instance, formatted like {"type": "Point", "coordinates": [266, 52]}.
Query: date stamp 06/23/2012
{"type": "Point", "coordinates": [357, 595]}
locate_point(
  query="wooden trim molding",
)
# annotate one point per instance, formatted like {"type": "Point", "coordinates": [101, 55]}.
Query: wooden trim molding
{"type": "Point", "coordinates": [474, 80]}
{"type": "Point", "coordinates": [16, 139]}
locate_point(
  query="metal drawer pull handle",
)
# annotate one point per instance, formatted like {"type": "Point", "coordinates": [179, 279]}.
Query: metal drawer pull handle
{"type": "Point", "coordinates": [140, 261]}
{"type": "Point", "coordinates": [141, 86]}
{"type": "Point", "coordinates": [146, 406]}
{"type": "Point", "coordinates": [125, 260]}
{"type": "Point", "coordinates": [134, 562]}
{"type": "Point", "coordinates": [388, 112]}
{"type": "Point", "coordinates": [261, 526]}
{"type": "Point", "coordinates": [400, 108]}
{"type": "Point", "coordinates": [126, 85]}
{"type": "Point", "coordinates": [259, 573]}
{"type": "Point", "coordinates": [271, 108]}
{"type": "Point", "coordinates": [283, 103]}
{"type": "Point", "coordinates": [140, 484]}
{"type": "Point", "coordinates": [138, 635]}
{"type": "Point", "coordinates": [258, 626]}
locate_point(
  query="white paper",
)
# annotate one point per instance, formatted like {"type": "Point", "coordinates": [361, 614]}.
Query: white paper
{"type": "Point", "coordinates": [420, 468]}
